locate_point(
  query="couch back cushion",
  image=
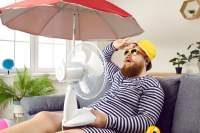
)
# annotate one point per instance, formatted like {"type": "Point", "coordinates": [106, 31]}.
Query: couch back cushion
{"type": "Point", "coordinates": [33, 105]}
{"type": "Point", "coordinates": [187, 109]}
{"type": "Point", "coordinates": [170, 86]}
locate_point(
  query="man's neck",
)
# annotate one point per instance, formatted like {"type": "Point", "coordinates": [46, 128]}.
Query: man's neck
{"type": "Point", "coordinates": [143, 73]}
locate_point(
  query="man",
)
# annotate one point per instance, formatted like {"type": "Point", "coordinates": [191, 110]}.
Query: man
{"type": "Point", "coordinates": [131, 105]}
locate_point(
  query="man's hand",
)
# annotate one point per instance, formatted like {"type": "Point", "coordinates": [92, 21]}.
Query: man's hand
{"type": "Point", "coordinates": [123, 43]}
{"type": "Point", "coordinates": [101, 119]}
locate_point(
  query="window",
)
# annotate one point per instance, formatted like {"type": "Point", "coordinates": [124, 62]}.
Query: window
{"type": "Point", "coordinates": [22, 49]}
{"type": "Point", "coordinates": [50, 51]}
{"type": "Point", "coordinates": [14, 44]}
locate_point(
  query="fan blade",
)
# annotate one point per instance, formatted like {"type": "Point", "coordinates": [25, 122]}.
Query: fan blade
{"type": "Point", "coordinates": [84, 87]}
{"type": "Point", "coordinates": [94, 84]}
{"type": "Point", "coordinates": [94, 65]}
{"type": "Point", "coordinates": [60, 70]}
{"type": "Point", "coordinates": [87, 50]}
{"type": "Point", "coordinates": [85, 67]}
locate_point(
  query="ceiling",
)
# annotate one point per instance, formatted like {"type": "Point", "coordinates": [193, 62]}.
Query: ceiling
{"type": "Point", "coordinates": [162, 20]}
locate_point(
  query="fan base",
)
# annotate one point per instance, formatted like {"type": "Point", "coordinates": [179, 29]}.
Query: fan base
{"type": "Point", "coordinates": [81, 117]}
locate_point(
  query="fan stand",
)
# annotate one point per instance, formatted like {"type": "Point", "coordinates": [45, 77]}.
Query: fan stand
{"type": "Point", "coordinates": [72, 116]}
{"type": "Point", "coordinates": [70, 104]}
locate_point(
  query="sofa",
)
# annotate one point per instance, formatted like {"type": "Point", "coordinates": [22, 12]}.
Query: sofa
{"type": "Point", "coordinates": [180, 113]}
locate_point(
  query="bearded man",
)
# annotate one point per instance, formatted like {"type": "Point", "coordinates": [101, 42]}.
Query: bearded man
{"type": "Point", "coordinates": [134, 101]}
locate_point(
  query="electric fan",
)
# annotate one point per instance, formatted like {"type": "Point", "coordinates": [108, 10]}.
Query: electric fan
{"type": "Point", "coordinates": [86, 61]}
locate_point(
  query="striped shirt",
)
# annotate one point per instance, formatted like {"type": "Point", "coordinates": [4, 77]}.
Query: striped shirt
{"type": "Point", "coordinates": [132, 104]}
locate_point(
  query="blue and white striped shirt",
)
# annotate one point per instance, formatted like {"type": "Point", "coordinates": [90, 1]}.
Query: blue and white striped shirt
{"type": "Point", "coordinates": [132, 104]}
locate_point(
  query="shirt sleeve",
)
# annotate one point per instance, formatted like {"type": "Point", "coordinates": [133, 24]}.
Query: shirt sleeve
{"type": "Point", "coordinates": [110, 67]}
{"type": "Point", "coordinates": [150, 107]}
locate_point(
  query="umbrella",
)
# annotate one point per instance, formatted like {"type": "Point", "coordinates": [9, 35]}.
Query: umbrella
{"type": "Point", "coordinates": [70, 19]}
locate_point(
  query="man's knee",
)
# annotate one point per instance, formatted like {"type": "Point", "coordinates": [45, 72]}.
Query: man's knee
{"type": "Point", "coordinates": [47, 118]}
{"type": "Point", "coordinates": [43, 115]}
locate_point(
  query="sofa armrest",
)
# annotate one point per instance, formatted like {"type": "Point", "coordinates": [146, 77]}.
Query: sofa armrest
{"type": "Point", "coordinates": [33, 105]}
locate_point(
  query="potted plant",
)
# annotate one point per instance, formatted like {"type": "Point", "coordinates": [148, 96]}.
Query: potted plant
{"type": "Point", "coordinates": [194, 53]}
{"type": "Point", "coordinates": [178, 61]}
{"type": "Point", "coordinates": [24, 86]}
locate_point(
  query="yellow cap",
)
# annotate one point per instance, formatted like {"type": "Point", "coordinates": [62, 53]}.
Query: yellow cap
{"type": "Point", "coordinates": [148, 47]}
{"type": "Point", "coordinates": [153, 129]}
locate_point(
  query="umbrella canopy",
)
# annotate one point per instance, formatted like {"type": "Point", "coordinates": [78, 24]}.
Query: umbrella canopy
{"type": "Point", "coordinates": [85, 19]}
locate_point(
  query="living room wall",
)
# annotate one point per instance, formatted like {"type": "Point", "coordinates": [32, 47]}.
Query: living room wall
{"type": "Point", "coordinates": [164, 25]}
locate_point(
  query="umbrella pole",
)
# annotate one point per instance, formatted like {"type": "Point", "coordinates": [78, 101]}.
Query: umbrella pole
{"type": "Point", "coordinates": [72, 47]}
{"type": "Point", "coordinates": [74, 31]}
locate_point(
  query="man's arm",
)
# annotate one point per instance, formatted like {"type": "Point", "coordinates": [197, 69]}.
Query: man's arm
{"type": "Point", "coordinates": [150, 107]}
{"type": "Point", "coordinates": [110, 67]}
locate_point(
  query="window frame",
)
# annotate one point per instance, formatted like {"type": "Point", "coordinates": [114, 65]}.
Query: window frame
{"type": "Point", "coordinates": [35, 56]}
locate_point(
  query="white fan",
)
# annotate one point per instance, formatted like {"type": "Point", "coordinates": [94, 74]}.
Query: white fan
{"type": "Point", "coordinates": [85, 62]}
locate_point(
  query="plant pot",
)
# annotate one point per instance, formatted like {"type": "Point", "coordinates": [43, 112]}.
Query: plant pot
{"type": "Point", "coordinates": [178, 70]}
{"type": "Point", "coordinates": [18, 110]}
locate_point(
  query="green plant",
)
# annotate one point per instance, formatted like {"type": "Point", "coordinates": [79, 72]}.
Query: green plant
{"type": "Point", "coordinates": [24, 86]}
{"type": "Point", "coordinates": [179, 60]}
{"type": "Point", "coordinates": [195, 52]}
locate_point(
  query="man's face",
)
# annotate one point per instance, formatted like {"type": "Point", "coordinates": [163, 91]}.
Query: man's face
{"type": "Point", "coordinates": [134, 61]}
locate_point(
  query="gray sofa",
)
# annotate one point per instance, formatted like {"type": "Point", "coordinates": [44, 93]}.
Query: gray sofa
{"type": "Point", "coordinates": [180, 114]}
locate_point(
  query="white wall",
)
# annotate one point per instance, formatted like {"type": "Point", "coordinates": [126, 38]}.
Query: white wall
{"type": "Point", "coordinates": [165, 26]}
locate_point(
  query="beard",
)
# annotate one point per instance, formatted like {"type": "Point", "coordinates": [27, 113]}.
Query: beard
{"type": "Point", "coordinates": [132, 70]}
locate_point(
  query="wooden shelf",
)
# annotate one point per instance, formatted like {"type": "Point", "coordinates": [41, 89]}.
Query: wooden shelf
{"type": "Point", "coordinates": [164, 74]}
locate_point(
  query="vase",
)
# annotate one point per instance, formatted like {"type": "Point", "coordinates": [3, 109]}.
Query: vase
{"type": "Point", "coordinates": [18, 110]}
{"type": "Point", "coordinates": [178, 70]}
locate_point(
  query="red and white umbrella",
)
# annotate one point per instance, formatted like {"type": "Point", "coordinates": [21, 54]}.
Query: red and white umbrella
{"type": "Point", "coordinates": [70, 19]}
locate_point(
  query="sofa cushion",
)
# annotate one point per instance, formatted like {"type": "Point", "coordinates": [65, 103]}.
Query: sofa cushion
{"type": "Point", "coordinates": [36, 104]}
{"type": "Point", "coordinates": [170, 86]}
{"type": "Point", "coordinates": [187, 109]}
